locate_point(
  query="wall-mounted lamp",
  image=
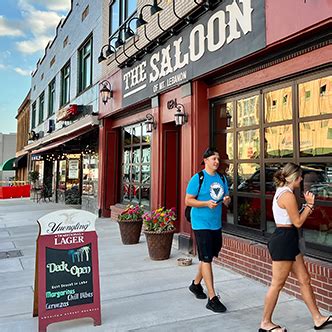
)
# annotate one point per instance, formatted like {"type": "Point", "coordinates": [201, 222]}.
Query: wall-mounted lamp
{"type": "Point", "coordinates": [106, 91]}
{"type": "Point", "coordinates": [228, 119]}
{"type": "Point", "coordinates": [109, 51]}
{"type": "Point", "coordinates": [154, 9]}
{"type": "Point", "coordinates": [150, 123]}
{"type": "Point", "coordinates": [207, 4]}
{"type": "Point", "coordinates": [180, 116]}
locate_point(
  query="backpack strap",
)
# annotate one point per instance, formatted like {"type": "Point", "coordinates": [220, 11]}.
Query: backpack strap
{"type": "Point", "coordinates": [223, 178]}
{"type": "Point", "coordinates": [200, 181]}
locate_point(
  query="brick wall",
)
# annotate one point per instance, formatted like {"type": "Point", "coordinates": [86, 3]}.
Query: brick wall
{"type": "Point", "coordinates": [167, 19]}
{"type": "Point", "coordinates": [115, 211]}
{"type": "Point", "coordinates": [253, 260]}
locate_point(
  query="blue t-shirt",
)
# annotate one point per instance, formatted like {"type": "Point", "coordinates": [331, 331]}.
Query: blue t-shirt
{"type": "Point", "coordinates": [214, 187]}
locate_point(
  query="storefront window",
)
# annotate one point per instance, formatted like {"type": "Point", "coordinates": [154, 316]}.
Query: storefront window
{"type": "Point", "coordinates": [279, 141]}
{"type": "Point", "coordinates": [316, 138]}
{"type": "Point", "coordinates": [305, 138]}
{"type": "Point", "coordinates": [278, 105]}
{"type": "Point", "coordinates": [225, 145]}
{"type": "Point", "coordinates": [249, 214]}
{"type": "Point", "coordinates": [248, 177]}
{"type": "Point", "coordinates": [90, 174]}
{"type": "Point", "coordinates": [62, 175]}
{"type": "Point", "coordinates": [73, 195]}
{"type": "Point", "coordinates": [248, 144]}
{"type": "Point", "coordinates": [39, 167]}
{"type": "Point", "coordinates": [136, 165]}
{"type": "Point", "coordinates": [315, 97]}
{"type": "Point", "coordinates": [248, 111]}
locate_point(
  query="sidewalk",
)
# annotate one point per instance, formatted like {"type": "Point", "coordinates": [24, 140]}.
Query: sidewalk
{"type": "Point", "coordinates": [136, 293]}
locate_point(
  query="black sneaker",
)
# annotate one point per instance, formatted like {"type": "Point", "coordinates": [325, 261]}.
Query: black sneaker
{"type": "Point", "coordinates": [197, 290]}
{"type": "Point", "coordinates": [215, 305]}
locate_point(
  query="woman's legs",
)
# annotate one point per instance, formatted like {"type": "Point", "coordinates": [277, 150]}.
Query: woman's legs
{"type": "Point", "coordinates": [303, 277]}
{"type": "Point", "coordinates": [280, 272]}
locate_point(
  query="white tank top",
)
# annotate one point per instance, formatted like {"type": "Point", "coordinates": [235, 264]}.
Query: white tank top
{"type": "Point", "coordinates": [280, 215]}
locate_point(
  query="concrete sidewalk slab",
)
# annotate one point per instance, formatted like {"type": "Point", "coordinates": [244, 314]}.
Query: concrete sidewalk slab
{"type": "Point", "coordinates": [137, 294]}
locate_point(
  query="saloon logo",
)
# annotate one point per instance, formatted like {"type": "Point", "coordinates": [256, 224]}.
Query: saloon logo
{"type": "Point", "coordinates": [205, 45]}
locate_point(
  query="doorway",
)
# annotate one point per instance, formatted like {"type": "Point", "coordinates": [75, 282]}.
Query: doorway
{"type": "Point", "coordinates": [171, 166]}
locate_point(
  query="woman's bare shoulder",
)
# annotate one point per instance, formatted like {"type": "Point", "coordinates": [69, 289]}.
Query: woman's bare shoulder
{"type": "Point", "coordinates": [287, 198]}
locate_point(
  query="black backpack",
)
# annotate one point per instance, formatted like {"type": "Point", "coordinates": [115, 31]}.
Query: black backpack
{"type": "Point", "coordinates": [187, 210]}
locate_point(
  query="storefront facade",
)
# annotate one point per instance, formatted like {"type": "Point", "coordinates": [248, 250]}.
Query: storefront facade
{"type": "Point", "coordinates": [260, 93]}
{"type": "Point", "coordinates": [64, 125]}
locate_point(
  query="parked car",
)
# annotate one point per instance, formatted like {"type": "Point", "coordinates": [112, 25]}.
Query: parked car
{"type": "Point", "coordinates": [314, 180]}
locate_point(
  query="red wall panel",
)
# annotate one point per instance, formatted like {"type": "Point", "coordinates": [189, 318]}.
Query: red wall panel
{"type": "Point", "coordinates": [288, 17]}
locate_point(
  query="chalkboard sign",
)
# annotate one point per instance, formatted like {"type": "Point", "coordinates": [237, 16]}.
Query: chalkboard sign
{"type": "Point", "coordinates": [68, 277]}
{"type": "Point", "coordinates": [67, 273]}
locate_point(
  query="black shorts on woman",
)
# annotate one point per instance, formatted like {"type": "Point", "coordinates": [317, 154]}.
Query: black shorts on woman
{"type": "Point", "coordinates": [209, 243]}
{"type": "Point", "coordinates": [284, 244]}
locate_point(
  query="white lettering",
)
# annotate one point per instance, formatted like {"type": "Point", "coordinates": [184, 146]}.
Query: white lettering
{"type": "Point", "coordinates": [199, 29]}
{"type": "Point", "coordinates": [63, 267]}
{"type": "Point", "coordinates": [166, 65]}
{"type": "Point", "coordinates": [236, 17]}
{"type": "Point", "coordinates": [155, 70]}
{"type": "Point", "coordinates": [178, 63]}
{"type": "Point", "coordinates": [220, 18]}
{"type": "Point", "coordinates": [126, 77]}
{"type": "Point", "coordinates": [210, 36]}
{"type": "Point", "coordinates": [68, 240]}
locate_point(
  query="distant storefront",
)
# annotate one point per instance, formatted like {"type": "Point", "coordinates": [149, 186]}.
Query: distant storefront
{"type": "Point", "coordinates": [68, 165]}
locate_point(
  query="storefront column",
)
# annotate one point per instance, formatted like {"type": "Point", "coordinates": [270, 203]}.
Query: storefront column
{"type": "Point", "coordinates": [108, 159]}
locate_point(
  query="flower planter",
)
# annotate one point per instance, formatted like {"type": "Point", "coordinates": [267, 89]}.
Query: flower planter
{"type": "Point", "coordinates": [130, 231]}
{"type": "Point", "coordinates": [159, 244]}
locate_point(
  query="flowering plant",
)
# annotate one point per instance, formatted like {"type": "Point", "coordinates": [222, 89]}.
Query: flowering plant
{"type": "Point", "coordinates": [131, 213]}
{"type": "Point", "coordinates": [159, 220]}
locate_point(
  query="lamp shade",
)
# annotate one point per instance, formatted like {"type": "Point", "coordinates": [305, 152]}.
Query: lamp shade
{"type": "Point", "coordinates": [105, 92]}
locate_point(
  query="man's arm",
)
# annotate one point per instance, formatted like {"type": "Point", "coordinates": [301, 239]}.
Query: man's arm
{"type": "Point", "coordinates": [191, 200]}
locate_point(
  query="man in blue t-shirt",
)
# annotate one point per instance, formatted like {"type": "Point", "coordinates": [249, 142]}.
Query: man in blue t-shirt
{"type": "Point", "coordinates": [206, 205]}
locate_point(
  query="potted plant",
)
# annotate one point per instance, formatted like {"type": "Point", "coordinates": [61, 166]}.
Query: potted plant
{"type": "Point", "coordinates": [159, 229]}
{"type": "Point", "coordinates": [33, 178]}
{"type": "Point", "coordinates": [130, 224]}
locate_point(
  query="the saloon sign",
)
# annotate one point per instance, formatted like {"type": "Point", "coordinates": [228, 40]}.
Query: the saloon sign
{"type": "Point", "coordinates": [234, 29]}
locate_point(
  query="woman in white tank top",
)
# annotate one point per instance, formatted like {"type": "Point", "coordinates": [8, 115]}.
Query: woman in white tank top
{"type": "Point", "coordinates": [284, 248]}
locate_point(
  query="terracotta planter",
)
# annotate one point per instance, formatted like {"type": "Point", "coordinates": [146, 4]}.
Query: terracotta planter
{"type": "Point", "coordinates": [159, 244]}
{"type": "Point", "coordinates": [130, 231]}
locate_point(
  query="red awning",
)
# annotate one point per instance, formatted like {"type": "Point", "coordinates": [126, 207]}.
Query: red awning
{"type": "Point", "coordinates": [57, 143]}
{"type": "Point", "coordinates": [47, 147]}
{"type": "Point", "coordinates": [65, 134]}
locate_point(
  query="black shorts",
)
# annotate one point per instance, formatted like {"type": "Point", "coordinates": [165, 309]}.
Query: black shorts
{"type": "Point", "coordinates": [209, 243]}
{"type": "Point", "coordinates": [284, 244]}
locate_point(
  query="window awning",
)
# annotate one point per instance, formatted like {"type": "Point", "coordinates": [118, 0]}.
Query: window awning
{"type": "Point", "coordinates": [8, 165]}
{"type": "Point", "coordinates": [20, 161]}
{"type": "Point", "coordinates": [55, 144]}
{"type": "Point", "coordinates": [65, 134]}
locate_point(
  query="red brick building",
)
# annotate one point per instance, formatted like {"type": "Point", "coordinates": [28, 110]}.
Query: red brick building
{"type": "Point", "coordinates": [254, 79]}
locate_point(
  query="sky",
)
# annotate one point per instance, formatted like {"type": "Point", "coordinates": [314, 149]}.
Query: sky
{"type": "Point", "coordinates": [26, 26]}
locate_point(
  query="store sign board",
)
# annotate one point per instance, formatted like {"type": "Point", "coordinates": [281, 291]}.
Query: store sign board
{"type": "Point", "coordinates": [67, 272]}
{"type": "Point", "coordinates": [73, 169]}
{"type": "Point", "coordinates": [67, 112]}
{"type": "Point", "coordinates": [233, 30]}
